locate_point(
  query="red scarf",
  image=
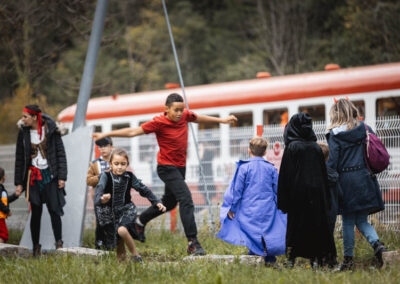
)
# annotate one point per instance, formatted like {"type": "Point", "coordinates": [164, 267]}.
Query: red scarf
{"type": "Point", "coordinates": [35, 174]}
{"type": "Point", "coordinates": [39, 123]}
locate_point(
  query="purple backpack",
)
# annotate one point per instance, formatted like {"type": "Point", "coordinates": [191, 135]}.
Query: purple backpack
{"type": "Point", "coordinates": [376, 155]}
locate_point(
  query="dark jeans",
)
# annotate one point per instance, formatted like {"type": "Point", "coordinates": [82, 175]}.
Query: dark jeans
{"type": "Point", "coordinates": [35, 223]}
{"type": "Point", "coordinates": [176, 191]}
{"type": "Point", "coordinates": [43, 197]}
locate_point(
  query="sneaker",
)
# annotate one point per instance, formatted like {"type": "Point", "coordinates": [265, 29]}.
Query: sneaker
{"type": "Point", "coordinates": [379, 248]}
{"type": "Point", "coordinates": [140, 232]}
{"type": "Point", "coordinates": [136, 259]}
{"type": "Point", "coordinates": [347, 264]}
{"type": "Point", "coordinates": [194, 248]}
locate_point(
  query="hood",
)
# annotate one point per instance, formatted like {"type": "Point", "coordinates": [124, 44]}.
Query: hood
{"type": "Point", "coordinates": [354, 135]}
{"type": "Point", "coordinates": [299, 128]}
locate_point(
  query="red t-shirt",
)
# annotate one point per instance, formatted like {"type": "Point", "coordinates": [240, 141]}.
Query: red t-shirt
{"type": "Point", "coordinates": [172, 137]}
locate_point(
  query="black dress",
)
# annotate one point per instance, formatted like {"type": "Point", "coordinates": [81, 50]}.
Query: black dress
{"type": "Point", "coordinates": [120, 207]}
{"type": "Point", "coordinates": [303, 192]}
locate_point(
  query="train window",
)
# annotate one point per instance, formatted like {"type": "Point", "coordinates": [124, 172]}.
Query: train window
{"type": "Point", "coordinates": [317, 112]}
{"type": "Point", "coordinates": [209, 125]}
{"type": "Point", "coordinates": [97, 128]}
{"type": "Point", "coordinates": [388, 107]}
{"type": "Point", "coordinates": [360, 105]}
{"type": "Point", "coordinates": [275, 116]}
{"type": "Point", "coordinates": [119, 126]}
{"type": "Point", "coordinates": [244, 119]}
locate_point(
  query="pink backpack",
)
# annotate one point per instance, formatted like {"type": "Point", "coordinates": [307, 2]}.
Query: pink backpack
{"type": "Point", "coordinates": [376, 155]}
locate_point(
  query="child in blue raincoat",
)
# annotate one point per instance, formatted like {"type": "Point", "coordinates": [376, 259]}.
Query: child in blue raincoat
{"type": "Point", "coordinates": [249, 215]}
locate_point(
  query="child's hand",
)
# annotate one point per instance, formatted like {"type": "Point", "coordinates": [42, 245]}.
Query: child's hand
{"type": "Point", "coordinates": [105, 198]}
{"type": "Point", "coordinates": [97, 135]}
{"type": "Point", "coordinates": [9, 214]}
{"type": "Point", "coordinates": [231, 214]}
{"type": "Point", "coordinates": [18, 190]}
{"type": "Point", "coordinates": [230, 119]}
{"type": "Point", "coordinates": [161, 207]}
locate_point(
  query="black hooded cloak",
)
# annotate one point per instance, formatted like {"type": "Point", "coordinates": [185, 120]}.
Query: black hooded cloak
{"type": "Point", "coordinates": [303, 192]}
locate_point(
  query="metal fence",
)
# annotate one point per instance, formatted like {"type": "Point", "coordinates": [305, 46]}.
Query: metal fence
{"type": "Point", "coordinates": [219, 149]}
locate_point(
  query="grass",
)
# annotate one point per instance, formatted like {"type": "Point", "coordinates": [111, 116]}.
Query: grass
{"type": "Point", "coordinates": [163, 252]}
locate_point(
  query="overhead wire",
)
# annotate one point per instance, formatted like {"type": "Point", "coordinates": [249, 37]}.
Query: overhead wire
{"type": "Point", "coordinates": [201, 171]}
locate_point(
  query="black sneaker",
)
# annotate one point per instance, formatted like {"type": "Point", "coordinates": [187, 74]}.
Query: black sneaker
{"type": "Point", "coordinates": [37, 250]}
{"type": "Point", "coordinates": [59, 244]}
{"type": "Point", "coordinates": [346, 265]}
{"type": "Point", "coordinates": [136, 259]}
{"type": "Point", "coordinates": [194, 248]}
{"type": "Point", "coordinates": [140, 232]}
{"type": "Point", "coordinates": [379, 248]}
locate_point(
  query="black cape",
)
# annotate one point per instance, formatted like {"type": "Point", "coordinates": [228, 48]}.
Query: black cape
{"type": "Point", "coordinates": [303, 192]}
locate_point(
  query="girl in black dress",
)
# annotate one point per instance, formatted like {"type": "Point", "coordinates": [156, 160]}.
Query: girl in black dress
{"type": "Point", "coordinates": [113, 193]}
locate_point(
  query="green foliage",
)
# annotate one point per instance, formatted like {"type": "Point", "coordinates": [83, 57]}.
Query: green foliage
{"type": "Point", "coordinates": [11, 112]}
{"type": "Point", "coordinates": [44, 46]}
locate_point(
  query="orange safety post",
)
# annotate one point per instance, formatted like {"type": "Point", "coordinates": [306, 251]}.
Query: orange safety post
{"type": "Point", "coordinates": [173, 219]}
{"type": "Point", "coordinates": [260, 130]}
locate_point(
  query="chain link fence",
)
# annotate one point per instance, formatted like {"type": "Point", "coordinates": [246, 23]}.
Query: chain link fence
{"type": "Point", "coordinates": [218, 151]}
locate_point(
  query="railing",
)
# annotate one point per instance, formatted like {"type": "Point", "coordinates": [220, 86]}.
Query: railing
{"type": "Point", "coordinates": [219, 166]}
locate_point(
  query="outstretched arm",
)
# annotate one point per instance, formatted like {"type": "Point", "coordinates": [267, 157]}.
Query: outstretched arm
{"type": "Point", "coordinates": [206, 118]}
{"type": "Point", "coordinates": [123, 132]}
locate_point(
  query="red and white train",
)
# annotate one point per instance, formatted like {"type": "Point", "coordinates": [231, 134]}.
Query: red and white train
{"type": "Point", "coordinates": [263, 101]}
{"type": "Point", "coordinates": [375, 89]}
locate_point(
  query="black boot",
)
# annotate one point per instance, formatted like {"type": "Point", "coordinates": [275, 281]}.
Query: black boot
{"type": "Point", "coordinates": [291, 259]}
{"type": "Point", "coordinates": [59, 244]}
{"type": "Point", "coordinates": [347, 264]}
{"type": "Point", "coordinates": [314, 263]}
{"type": "Point", "coordinates": [37, 250]}
{"type": "Point", "coordinates": [379, 248]}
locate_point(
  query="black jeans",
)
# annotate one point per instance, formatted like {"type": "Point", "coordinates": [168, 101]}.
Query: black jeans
{"type": "Point", "coordinates": [176, 191]}
{"type": "Point", "coordinates": [35, 223]}
{"type": "Point", "coordinates": [37, 214]}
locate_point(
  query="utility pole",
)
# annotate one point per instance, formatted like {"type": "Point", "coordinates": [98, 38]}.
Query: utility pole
{"type": "Point", "coordinates": [90, 64]}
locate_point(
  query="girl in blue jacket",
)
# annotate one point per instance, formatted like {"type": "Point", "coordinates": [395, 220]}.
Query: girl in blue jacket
{"type": "Point", "coordinates": [361, 193]}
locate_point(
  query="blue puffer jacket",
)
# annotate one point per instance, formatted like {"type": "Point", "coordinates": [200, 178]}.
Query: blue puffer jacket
{"type": "Point", "coordinates": [361, 191]}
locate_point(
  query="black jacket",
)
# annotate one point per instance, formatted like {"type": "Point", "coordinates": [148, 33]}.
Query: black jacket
{"type": "Point", "coordinates": [56, 157]}
{"type": "Point", "coordinates": [5, 208]}
{"type": "Point", "coordinates": [105, 186]}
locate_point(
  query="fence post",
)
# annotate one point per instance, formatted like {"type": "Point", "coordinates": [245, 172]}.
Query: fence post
{"type": "Point", "coordinates": [260, 130]}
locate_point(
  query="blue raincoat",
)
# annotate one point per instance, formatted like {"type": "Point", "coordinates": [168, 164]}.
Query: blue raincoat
{"type": "Point", "coordinates": [258, 223]}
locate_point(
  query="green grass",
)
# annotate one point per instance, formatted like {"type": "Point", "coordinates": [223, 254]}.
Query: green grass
{"type": "Point", "coordinates": [163, 252]}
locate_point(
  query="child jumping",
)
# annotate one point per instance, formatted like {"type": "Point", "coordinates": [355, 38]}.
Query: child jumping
{"type": "Point", "coordinates": [96, 168]}
{"type": "Point", "coordinates": [303, 194]}
{"type": "Point", "coordinates": [249, 215]}
{"type": "Point", "coordinates": [4, 207]}
{"type": "Point", "coordinates": [172, 135]}
{"type": "Point", "coordinates": [113, 191]}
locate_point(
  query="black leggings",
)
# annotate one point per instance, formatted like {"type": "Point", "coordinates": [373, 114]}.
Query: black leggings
{"type": "Point", "coordinates": [35, 223]}
{"type": "Point", "coordinates": [176, 191]}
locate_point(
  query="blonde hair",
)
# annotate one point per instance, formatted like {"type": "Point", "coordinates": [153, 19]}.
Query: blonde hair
{"type": "Point", "coordinates": [343, 112]}
{"type": "Point", "coordinates": [258, 146]}
{"type": "Point", "coordinates": [325, 149]}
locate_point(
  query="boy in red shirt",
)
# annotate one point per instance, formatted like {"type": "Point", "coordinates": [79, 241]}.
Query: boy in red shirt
{"type": "Point", "coordinates": [172, 135]}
